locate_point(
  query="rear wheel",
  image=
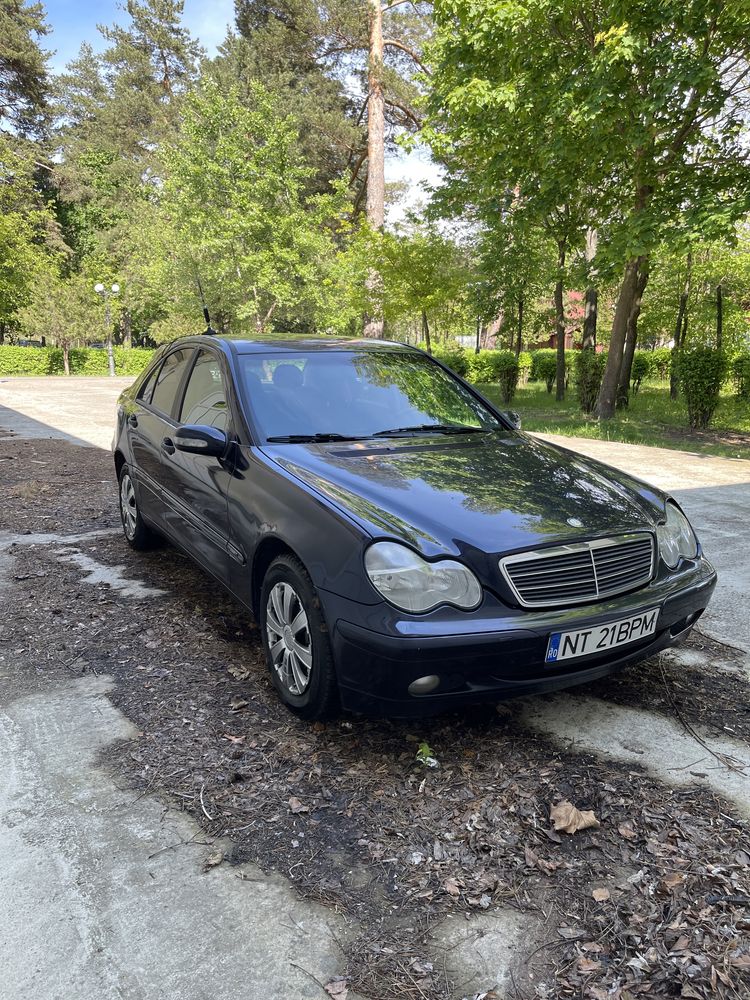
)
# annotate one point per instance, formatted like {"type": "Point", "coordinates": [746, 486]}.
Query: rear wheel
{"type": "Point", "coordinates": [296, 642]}
{"type": "Point", "coordinates": [137, 532]}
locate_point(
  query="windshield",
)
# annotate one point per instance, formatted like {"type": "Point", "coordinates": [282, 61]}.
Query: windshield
{"type": "Point", "coordinates": [357, 394]}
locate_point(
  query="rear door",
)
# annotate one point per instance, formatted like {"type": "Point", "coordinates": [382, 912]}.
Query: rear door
{"type": "Point", "coordinates": [196, 486]}
{"type": "Point", "coordinates": [151, 426]}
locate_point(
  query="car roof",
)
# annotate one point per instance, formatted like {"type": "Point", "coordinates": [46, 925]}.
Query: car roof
{"type": "Point", "coordinates": [296, 345]}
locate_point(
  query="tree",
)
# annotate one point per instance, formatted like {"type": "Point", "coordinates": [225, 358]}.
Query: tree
{"type": "Point", "coordinates": [64, 311]}
{"type": "Point", "coordinates": [640, 116]}
{"type": "Point", "coordinates": [233, 214]}
{"type": "Point", "coordinates": [23, 66]}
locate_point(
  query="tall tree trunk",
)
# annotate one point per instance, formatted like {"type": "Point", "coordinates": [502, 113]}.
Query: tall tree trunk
{"type": "Point", "coordinates": [591, 300]}
{"type": "Point", "coordinates": [560, 321]}
{"type": "Point", "coordinates": [66, 358]}
{"type": "Point", "coordinates": [479, 334]}
{"type": "Point", "coordinates": [375, 144]}
{"type": "Point", "coordinates": [519, 337]}
{"type": "Point", "coordinates": [127, 328]}
{"type": "Point", "coordinates": [605, 405]}
{"type": "Point", "coordinates": [426, 332]}
{"type": "Point", "coordinates": [2, 333]}
{"type": "Point", "coordinates": [590, 311]}
{"type": "Point", "coordinates": [719, 317]}
{"type": "Point", "coordinates": [680, 329]}
{"type": "Point", "coordinates": [631, 339]}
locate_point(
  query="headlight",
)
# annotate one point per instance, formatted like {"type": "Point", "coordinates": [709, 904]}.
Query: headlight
{"type": "Point", "coordinates": [676, 538]}
{"type": "Point", "coordinates": [413, 584]}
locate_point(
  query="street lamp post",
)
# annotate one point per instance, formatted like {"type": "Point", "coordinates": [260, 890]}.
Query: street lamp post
{"type": "Point", "coordinates": [106, 294]}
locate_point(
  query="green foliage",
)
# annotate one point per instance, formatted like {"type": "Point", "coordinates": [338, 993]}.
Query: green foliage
{"type": "Point", "coordinates": [233, 214]}
{"type": "Point", "coordinates": [501, 367]}
{"type": "Point", "coordinates": [544, 366]}
{"type": "Point", "coordinates": [589, 369]}
{"type": "Point", "coordinates": [660, 363]}
{"type": "Point", "coordinates": [641, 369]}
{"type": "Point", "coordinates": [83, 361]}
{"type": "Point", "coordinates": [525, 362]}
{"type": "Point", "coordinates": [454, 357]}
{"type": "Point", "coordinates": [741, 374]}
{"type": "Point", "coordinates": [701, 373]}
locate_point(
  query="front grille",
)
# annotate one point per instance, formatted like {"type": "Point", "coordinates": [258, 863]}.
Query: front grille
{"type": "Point", "coordinates": [582, 572]}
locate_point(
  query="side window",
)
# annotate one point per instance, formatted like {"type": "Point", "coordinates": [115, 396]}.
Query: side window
{"type": "Point", "coordinates": [169, 379]}
{"type": "Point", "coordinates": [148, 386]}
{"type": "Point", "coordinates": [205, 399]}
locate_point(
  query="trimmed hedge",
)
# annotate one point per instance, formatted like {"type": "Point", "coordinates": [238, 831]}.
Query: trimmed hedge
{"type": "Point", "coordinates": [589, 370]}
{"type": "Point", "coordinates": [701, 373]}
{"type": "Point", "coordinates": [659, 362]}
{"type": "Point", "coordinates": [83, 361]}
{"type": "Point", "coordinates": [454, 357]}
{"type": "Point", "coordinates": [525, 362]}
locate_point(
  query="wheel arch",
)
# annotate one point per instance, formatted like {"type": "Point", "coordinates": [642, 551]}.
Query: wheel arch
{"type": "Point", "coordinates": [268, 549]}
{"type": "Point", "coordinates": [119, 458]}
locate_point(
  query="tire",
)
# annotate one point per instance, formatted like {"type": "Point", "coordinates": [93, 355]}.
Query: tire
{"type": "Point", "coordinates": [137, 533]}
{"type": "Point", "coordinates": [300, 661]}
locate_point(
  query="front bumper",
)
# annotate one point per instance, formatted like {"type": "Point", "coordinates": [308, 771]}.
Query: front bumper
{"type": "Point", "coordinates": [496, 652]}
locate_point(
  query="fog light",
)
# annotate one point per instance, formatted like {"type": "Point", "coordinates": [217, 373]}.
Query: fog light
{"type": "Point", "coordinates": [423, 685]}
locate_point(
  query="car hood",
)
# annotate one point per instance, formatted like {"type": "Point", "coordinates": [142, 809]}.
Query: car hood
{"type": "Point", "coordinates": [492, 493]}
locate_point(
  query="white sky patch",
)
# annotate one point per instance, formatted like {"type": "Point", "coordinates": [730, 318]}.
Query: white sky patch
{"type": "Point", "coordinates": [418, 171]}
{"type": "Point", "coordinates": [208, 21]}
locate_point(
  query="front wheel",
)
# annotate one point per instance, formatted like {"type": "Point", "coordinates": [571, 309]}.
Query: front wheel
{"type": "Point", "coordinates": [295, 640]}
{"type": "Point", "coordinates": [137, 532]}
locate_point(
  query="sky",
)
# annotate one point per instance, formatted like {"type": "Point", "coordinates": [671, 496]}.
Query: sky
{"type": "Point", "coordinates": [72, 23]}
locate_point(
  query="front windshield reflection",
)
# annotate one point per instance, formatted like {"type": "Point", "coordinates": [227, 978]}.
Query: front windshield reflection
{"type": "Point", "coordinates": [355, 394]}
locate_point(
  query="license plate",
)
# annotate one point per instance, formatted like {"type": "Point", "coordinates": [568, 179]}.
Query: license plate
{"type": "Point", "coordinates": [598, 638]}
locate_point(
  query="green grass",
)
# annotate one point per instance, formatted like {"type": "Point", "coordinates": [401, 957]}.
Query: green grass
{"type": "Point", "coordinates": [651, 419]}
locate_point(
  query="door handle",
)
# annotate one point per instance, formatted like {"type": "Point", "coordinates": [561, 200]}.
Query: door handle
{"type": "Point", "coordinates": [133, 420]}
{"type": "Point", "coordinates": [167, 446]}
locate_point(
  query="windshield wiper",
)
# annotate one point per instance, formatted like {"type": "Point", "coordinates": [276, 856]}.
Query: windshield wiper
{"type": "Point", "coordinates": [306, 438]}
{"type": "Point", "coordinates": [431, 429]}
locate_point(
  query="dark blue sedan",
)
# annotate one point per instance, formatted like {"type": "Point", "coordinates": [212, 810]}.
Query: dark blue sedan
{"type": "Point", "coordinates": [403, 546]}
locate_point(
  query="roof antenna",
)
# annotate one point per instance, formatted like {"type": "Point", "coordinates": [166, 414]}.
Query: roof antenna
{"type": "Point", "coordinates": [209, 331]}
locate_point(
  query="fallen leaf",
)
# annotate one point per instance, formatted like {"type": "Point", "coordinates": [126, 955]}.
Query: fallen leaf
{"type": "Point", "coordinates": [239, 673]}
{"type": "Point", "coordinates": [232, 739]}
{"type": "Point", "coordinates": [626, 830]}
{"type": "Point", "coordinates": [530, 856]}
{"type": "Point", "coordinates": [337, 988]}
{"type": "Point", "coordinates": [213, 859]}
{"type": "Point", "coordinates": [296, 806]}
{"type": "Point", "coordinates": [567, 818]}
{"type": "Point", "coordinates": [588, 965]}
{"type": "Point", "coordinates": [601, 895]}
{"type": "Point", "coordinates": [236, 704]}
{"type": "Point", "coordinates": [452, 887]}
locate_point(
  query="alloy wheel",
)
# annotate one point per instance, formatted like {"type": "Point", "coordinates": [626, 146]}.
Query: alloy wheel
{"type": "Point", "coordinates": [289, 640]}
{"type": "Point", "coordinates": [128, 507]}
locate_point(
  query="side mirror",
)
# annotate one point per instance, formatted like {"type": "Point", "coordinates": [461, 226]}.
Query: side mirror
{"type": "Point", "coordinates": [513, 418]}
{"type": "Point", "coordinates": [200, 439]}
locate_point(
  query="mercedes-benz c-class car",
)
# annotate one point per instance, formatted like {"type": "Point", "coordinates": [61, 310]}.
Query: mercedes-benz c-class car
{"type": "Point", "coordinates": [404, 547]}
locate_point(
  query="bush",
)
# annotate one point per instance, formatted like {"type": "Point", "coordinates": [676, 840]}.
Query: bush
{"type": "Point", "coordinates": [544, 366]}
{"type": "Point", "coordinates": [589, 369]}
{"type": "Point", "coordinates": [659, 363]}
{"type": "Point", "coordinates": [507, 368]}
{"type": "Point", "coordinates": [454, 357]}
{"type": "Point", "coordinates": [83, 361]}
{"type": "Point", "coordinates": [701, 373]}
{"type": "Point", "coordinates": [524, 367]}
{"type": "Point", "coordinates": [641, 369]}
{"type": "Point", "coordinates": [741, 375]}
